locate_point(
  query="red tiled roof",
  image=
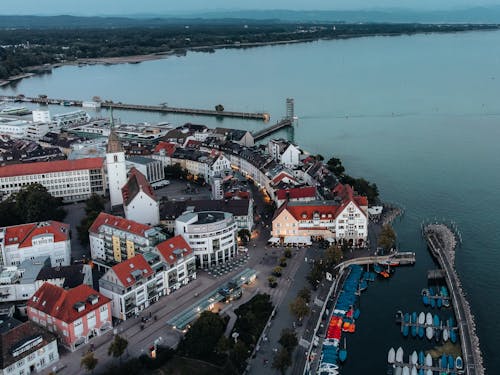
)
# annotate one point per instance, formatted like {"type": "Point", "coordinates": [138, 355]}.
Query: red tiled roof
{"type": "Point", "coordinates": [174, 248]}
{"type": "Point", "coordinates": [50, 167]}
{"type": "Point", "coordinates": [282, 175]}
{"type": "Point", "coordinates": [23, 234]}
{"type": "Point", "coordinates": [296, 193]}
{"type": "Point", "coordinates": [125, 270]}
{"type": "Point", "coordinates": [135, 183]}
{"type": "Point", "coordinates": [306, 212]}
{"type": "Point", "coordinates": [169, 148]}
{"type": "Point", "coordinates": [347, 194]}
{"type": "Point", "coordinates": [119, 223]}
{"type": "Point", "coordinates": [60, 303]}
{"type": "Point", "coordinates": [192, 143]}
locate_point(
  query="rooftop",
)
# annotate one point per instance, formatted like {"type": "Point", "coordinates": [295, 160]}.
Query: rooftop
{"type": "Point", "coordinates": [24, 234]}
{"type": "Point", "coordinates": [50, 167]}
{"type": "Point", "coordinates": [136, 182]}
{"type": "Point", "coordinates": [173, 249]}
{"type": "Point", "coordinates": [118, 222]}
{"type": "Point", "coordinates": [132, 270]}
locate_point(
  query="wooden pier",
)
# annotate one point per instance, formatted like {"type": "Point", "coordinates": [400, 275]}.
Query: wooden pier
{"type": "Point", "coordinates": [141, 107]}
{"type": "Point", "coordinates": [263, 133]}
{"type": "Point", "coordinates": [441, 242]}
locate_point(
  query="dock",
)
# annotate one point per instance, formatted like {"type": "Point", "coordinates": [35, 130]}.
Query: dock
{"type": "Point", "coordinates": [141, 107]}
{"type": "Point", "coordinates": [401, 259]}
{"type": "Point", "coordinates": [441, 241]}
{"type": "Point", "coordinates": [435, 369]}
{"type": "Point", "coordinates": [263, 133]}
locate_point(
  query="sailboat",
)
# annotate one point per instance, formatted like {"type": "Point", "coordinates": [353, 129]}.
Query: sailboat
{"type": "Point", "coordinates": [399, 355]}
{"type": "Point", "coordinates": [391, 356]}
{"type": "Point", "coordinates": [343, 353]}
{"type": "Point", "coordinates": [421, 358]}
{"type": "Point", "coordinates": [421, 318]}
{"type": "Point", "coordinates": [414, 358]}
{"type": "Point", "coordinates": [406, 370]}
{"type": "Point", "coordinates": [446, 334]}
{"type": "Point", "coordinates": [428, 360]}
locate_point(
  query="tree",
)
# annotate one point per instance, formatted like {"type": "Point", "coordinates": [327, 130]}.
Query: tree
{"type": "Point", "coordinates": [315, 275]}
{"type": "Point", "coordinates": [283, 261]}
{"type": "Point", "coordinates": [335, 166]}
{"type": "Point", "coordinates": [93, 207]}
{"type": "Point", "coordinates": [387, 237]}
{"type": "Point", "coordinates": [319, 157]}
{"type": "Point", "coordinates": [287, 253]}
{"type": "Point", "coordinates": [273, 283]}
{"type": "Point", "coordinates": [305, 294]}
{"type": "Point", "coordinates": [333, 256]}
{"type": "Point", "coordinates": [202, 338]}
{"type": "Point", "coordinates": [117, 347]}
{"type": "Point", "coordinates": [89, 362]}
{"type": "Point", "coordinates": [282, 360]}
{"type": "Point", "coordinates": [288, 339]}
{"type": "Point", "coordinates": [219, 108]}
{"type": "Point", "coordinates": [244, 234]}
{"type": "Point", "coordinates": [277, 271]}
{"type": "Point", "coordinates": [299, 308]}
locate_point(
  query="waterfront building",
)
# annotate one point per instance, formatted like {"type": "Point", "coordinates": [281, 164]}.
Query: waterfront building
{"type": "Point", "coordinates": [303, 194]}
{"type": "Point", "coordinates": [113, 239]}
{"type": "Point", "coordinates": [151, 168]}
{"type": "Point", "coordinates": [27, 241]}
{"type": "Point", "coordinates": [70, 119]}
{"type": "Point", "coordinates": [139, 200]}
{"type": "Point", "coordinates": [116, 169]}
{"type": "Point", "coordinates": [342, 219]}
{"type": "Point", "coordinates": [71, 180]}
{"type": "Point", "coordinates": [14, 128]}
{"type": "Point", "coordinates": [76, 315]}
{"type": "Point", "coordinates": [132, 286]}
{"type": "Point", "coordinates": [41, 116]}
{"type": "Point", "coordinates": [211, 235]}
{"type": "Point", "coordinates": [241, 137]}
{"type": "Point", "coordinates": [26, 348]}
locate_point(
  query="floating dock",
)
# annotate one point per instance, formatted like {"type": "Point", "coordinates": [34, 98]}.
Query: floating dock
{"type": "Point", "coordinates": [441, 241]}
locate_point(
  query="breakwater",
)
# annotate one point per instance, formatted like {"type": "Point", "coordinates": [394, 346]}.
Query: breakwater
{"type": "Point", "coordinates": [442, 241]}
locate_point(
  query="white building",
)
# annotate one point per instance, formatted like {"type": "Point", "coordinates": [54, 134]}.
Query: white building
{"type": "Point", "coordinates": [71, 180]}
{"type": "Point", "coordinates": [26, 348]}
{"type": "Point", "coordinates": [116, 169]}
{"type": "Point", "coordinates": [218, 165]}
{"type": "Point", "coordinates": [67, 120]}
{"type": "Point", "coordinates": [216, 184]}
{"type": "Point", "coordinates": [14, 128]}
{"type": "Point", "coordinates": [151, 168]}
{"type": "Point", "coordinates": [139, 200]}
{"type": "Point", "coordinates": [291, 156]}
{"type": "Point", "coordinates": [27, 241]}
{"type": "Point", "coordinates": [41, 116]}
{"type": "Point", "coordinates": [37, 130]}
{"type": "Point", "coordinates": [211, 235]}
{"type": "Point", "coordinates": [132, 286]}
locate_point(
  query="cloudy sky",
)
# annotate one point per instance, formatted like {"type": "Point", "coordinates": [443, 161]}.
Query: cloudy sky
{"type": "Point", "coordinates": [164, 7]}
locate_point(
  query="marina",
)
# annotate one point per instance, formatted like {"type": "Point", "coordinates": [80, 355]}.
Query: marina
{"type": "Point", "coordinates": [420, 363]}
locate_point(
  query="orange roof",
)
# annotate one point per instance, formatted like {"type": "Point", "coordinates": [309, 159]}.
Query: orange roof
{"type": "Point", "coordinates": [296, 193]}
{"type": "Point", "coordinates": [281, 176]}
{"type": "Point", "coordinates": [131, 270]}
{"type": "Point", "coordinates": [169, 148]}
{"type": "Point", "coordinates": [60, 303]}
{"type": "Point", "coordinates": [306, 212]}
{"type": "Point", "coordinates": [50, 167]}
{"type": "Point", "coordinates": [23, 234]}
{"type": "Point", "coordinates": [173, 249]}
{"type": "Point", "coordinates": [118, 223]}
{"type": "Point", "coordinates": [135, 183]}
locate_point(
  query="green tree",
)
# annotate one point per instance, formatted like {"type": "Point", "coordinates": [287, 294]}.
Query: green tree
{"type": "Point", "coordinates": [283, 261]}
{"type": "Point", "coordinates": [244, 234]}
{"type": "Point", "coordinates": [238, 356]}
{"type": "Point", "coordinates": [287, 253]}
{"type": "Point", "coordinates": [273, 283]}
{"type": "Point", "coordinates": [288, 339]}
{"type": "Point", "coordinates": [89, 362]}
{"type": "Point", "coordinates": [387, 237]}
{"type": "Point", "coordinates": [117, 347]}
{"type": "Point", "coordinates": [305, 294]}
{"type": "Point", "coordinates": [333, 256]}
{"type": "Point", "coordinates": [277, 271]}
{"type": "Point", "coordinates": [315, 275]}
{"type": "Point", "coordinates": [34, 203]}
{"type": "Point", "coordinates": [299, 308]}
{"type": "Point", "coordinates": [93, 207]}
{"type": "Point", "coordinates": [282, 360]}
{"type": "Point", "coordinates": [335, 166]}
{"type": "Point", "coordinates": [8, 213]}
{"type": "Point", "coordinates": [202, 338]}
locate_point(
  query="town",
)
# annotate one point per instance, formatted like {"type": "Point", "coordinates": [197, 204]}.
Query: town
{"type": "Point", "coordinates": [158, 224]}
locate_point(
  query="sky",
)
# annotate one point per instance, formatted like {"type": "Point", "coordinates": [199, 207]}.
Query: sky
{"type": "Point", "coordinates": [166, 7]}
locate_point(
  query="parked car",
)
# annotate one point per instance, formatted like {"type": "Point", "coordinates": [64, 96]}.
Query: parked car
{"type": "Point", "coordinates": [160, 184]}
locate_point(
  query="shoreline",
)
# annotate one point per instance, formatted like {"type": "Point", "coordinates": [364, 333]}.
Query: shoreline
{"type": "Point", "coordinates": [137, 59]}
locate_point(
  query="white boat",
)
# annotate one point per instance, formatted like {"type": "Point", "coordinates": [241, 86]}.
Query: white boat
{"type": "Point", "coordinates": [414, 358]}
{"type": "Point", "coordinates": [399, 355]}
{"type": "Point", "coordinates": [428, 319]}
{"type": "Point", "coordinates": [446, 334]}
{"type": "Point", "coordinates": [421, 318]}
{"type": "Point", "coordinates": [428, 360]}
{"type": "Point", "coordinates": [406, 370]}
{"type": "Point", "coordinates": [459, 363]}
{"type": "Point", "coordinates": [398, 371]}
{"type": "Point", "coordinates": [391, 356]}
{"type": "Point", "coordinates": [414, 371]}
{"type": "Point", "coordinates": [429, 332]}
{"type": "Point", "coordinates": [429, 372]}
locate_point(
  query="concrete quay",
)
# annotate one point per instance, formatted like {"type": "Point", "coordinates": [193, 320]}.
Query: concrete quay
{"type": "Point", "coordinates": [441, 242]}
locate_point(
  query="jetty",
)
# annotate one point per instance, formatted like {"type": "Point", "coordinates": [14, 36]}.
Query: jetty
{"type": "Point", "coordinates": [399, 259]}
{"type": "Point", "coordinates": [42, 99]}
{"type": "Point", "coordinates": [442, 241]}
{"type": "Point", "coordinates": [263, 133]}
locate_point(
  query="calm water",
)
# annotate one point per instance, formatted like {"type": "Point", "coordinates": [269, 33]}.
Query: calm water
{"type": "Point", "coordinates": [419, 115]}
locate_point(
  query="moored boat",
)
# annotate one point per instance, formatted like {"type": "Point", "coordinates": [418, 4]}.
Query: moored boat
{"type": "Point", "coordinates": [391, 356]}
{"type": "Point", "coordinates": [421, 358]}
{"type": "Point", "coordinates": [436, 321]}
{"type": "Point", "coordinates": [398, 371]}
{"type": "Point", "coordinates": [459, 363]}
{"type": "Point", "coordinates": [421, 332]}
{"type": "Point", "coordinates": [405, 330]}
{"type": "Point", "coordinates": [406, 370]}
{"type": "Point", "coordinates": [453, 336]}
{"type": "Point", "coordinates": [414, 331]}
{"type": "Point", "coordinates": [414, 317]}
{"type": "Point", "coordinates": [446, 334]}
{"type": "Point", "coordinates": [414, 371]}
{"type": "Point", "coordinates": [428, 319]}
{"type": "Point", "coordinates": [429, 332]}
{"type": "Point", "coordinates": [432, 302]}
{"type": "Point", "coordinates": [399, 355]}
{"type": "Point", "coordinates": [414, 358]}
{"type": "Point", "coordinates": [429, 372]}
{"type": "Point", "coordinates": [421, 318]}
{"type": "Point", "coordinates": [451, 362]}
{"type": "Point", "coordinates": [343, 353]}
{"type": "Point", "coordinates": [428, 360]}
{"type": "Point", "coordinates": [444, 361]}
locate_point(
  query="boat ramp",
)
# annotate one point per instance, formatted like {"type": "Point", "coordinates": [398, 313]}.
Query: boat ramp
{"type": "Point", "coordinates": [442, 241]}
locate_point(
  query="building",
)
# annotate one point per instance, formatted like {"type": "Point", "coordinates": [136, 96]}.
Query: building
{"type": "Point", "coordinates": [14, 128]}
{"type": "Point", "coordinates": [304, 194]}
{"type": "Point", "coordinates": [116, 169]}
{"type": "Point", "coordinates": [70, 119]}
{"type": "Point", "coordinates": [241, 137]}
{"type": "Point", "coordinates": [27, 241]}
{"type": "Point", "coordinates": [132, 286]}
{"type": "Point", "coordinates": [139, 200]}
{"type": "Point", "coordinates": [151, 168]}
{"type": "Point", "coordinates": [163, 152]}
{"type": "Point", "coordinates": [26, 348]}
{"type": "Point", "coordinates": [41, 116]}
{"type": "Point", "coordinates": [218, 165]}
{"type": "Point", "coordinates": [71, 180]}
{"type": "Point", "coordinates": [113, 239]}
{"type": "Point", "coordinates": [76, 315]}
{"type": "Point", "coordinates": [211, 235]}
{"type": "Point", "coordinates": [343, 219]}
{"type": "Point", "coordinates": [179, 261]}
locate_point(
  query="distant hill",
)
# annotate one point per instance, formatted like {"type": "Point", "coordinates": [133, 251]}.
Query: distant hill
{"type": "Point", "coordinates": [490, 15]}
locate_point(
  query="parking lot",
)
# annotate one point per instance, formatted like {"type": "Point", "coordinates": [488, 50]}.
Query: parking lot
{"type": "Point", "coordinates": [179, 190]}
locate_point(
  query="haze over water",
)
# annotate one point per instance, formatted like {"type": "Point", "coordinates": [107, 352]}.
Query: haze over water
{"type": "Point", "coordinates": [419, 115]}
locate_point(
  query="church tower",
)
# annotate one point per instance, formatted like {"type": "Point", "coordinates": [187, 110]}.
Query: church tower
{"type": "Point", "coordinates": [116, 168]}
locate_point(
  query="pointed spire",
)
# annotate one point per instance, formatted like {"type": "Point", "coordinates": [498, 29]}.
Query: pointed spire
{"type": "Point", "coordinates": [114, 144]}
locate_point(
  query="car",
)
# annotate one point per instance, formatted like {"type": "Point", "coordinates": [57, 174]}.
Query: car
{"type": "Point", "coordinates": [242, 249]}
{"type": "Point", "coordinates": [160, 184]}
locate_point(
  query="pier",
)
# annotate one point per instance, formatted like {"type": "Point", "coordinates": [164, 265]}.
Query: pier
{"type": "Point", "coordinates": [434, 369]}
{"type": "Point", "coordinates": [140, 107]}
{"type": "Point", "coordinates": [400, 259]}
{"type": "Point", "coordinates": [441, 242]}
{"type": "Point", "coordinates": [263, 133]}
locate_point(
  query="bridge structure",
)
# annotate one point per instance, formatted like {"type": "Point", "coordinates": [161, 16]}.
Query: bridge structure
{"type": "Point", "coordinates": [42, 99]}
{"type": "Point", "coordinates": [441, 242]}
{"type": "Point", "coordinates": [266, 132]}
